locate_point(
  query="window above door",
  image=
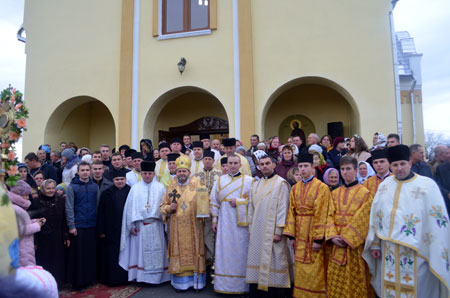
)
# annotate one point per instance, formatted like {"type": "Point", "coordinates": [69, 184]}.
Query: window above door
{"type": "Point", "coordinates": [182, 18]}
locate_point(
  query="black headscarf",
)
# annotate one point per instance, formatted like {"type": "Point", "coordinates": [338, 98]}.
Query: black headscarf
{"type": "Point", "coordinates": [149, 155]}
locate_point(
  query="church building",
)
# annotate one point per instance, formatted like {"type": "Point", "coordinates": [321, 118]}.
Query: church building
{"type": "Point", "coordinates": [117, 71]}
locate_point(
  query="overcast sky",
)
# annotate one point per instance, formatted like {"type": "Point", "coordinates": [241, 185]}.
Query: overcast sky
{"type": "Point", "coordinates": [428, 22]}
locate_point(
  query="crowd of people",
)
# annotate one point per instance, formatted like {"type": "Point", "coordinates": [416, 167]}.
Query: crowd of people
{"type": "Point", "coordinates": [313, 217]}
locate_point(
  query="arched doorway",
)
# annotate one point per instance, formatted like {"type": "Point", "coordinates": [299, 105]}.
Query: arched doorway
{"type": "Point", "coordinates": [314, 102]}
{"type": "Point", "coordinates": [186, 110]}
{"type": "Point", "coordinates": [83, 120]}
{"type": "Point", "coordinates": [288, 125]}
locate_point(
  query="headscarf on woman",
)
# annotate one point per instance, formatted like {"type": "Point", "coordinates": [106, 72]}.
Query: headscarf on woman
{"type": "Point", "coordinates": [370, 172]}
{"type": "Point", "coordinates": [323, 166]}
{"type": "Point", "coordinates": [147, 156]}
{"type": "Point", "coordinates": [327, 180]}
{"type": "Point", "coordinates": [256, 156]}
{"type": "Point", "coordinates": [71, 166]}
{"type": "Point", "coordinates": [381, 143]}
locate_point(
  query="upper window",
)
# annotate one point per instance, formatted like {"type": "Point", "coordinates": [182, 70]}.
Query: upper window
{"type": "Point", "coordinates": [184, 15]}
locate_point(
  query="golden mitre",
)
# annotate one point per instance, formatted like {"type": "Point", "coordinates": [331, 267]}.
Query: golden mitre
{"type": "Point", "coordinates": [183, 162]}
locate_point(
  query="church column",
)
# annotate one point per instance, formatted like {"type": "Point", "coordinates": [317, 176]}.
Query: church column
{"type": "Point", "coordinates": [246, 71]}
{"type": "Point", "coordinates": [126, 66]}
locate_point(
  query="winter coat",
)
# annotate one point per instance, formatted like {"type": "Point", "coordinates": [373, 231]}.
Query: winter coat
{"type": "Point", "coordinates": [69, 174]}
{"type": "Point", "coordinates": [27, 228]}
{"type": "Point", "coordinates": [81, 203]}
{"type": "Point", "coordinates": [284, 166]}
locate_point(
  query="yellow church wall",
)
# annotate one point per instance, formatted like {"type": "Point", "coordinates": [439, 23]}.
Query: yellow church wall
{"type": "Point", "coordinates": [85, 49]}
{"type": "Point", "coordinates": [209, 67]}
{"type": "Point", "coordinates": [88, 125]}
{"type": "Point", "coordinates": [73, 49]}
{"type": "Point", "coordinates": [346, 42]}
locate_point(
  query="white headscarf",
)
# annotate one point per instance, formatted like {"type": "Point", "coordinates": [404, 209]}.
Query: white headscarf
{"type": "Point", "coordinates": [370, 172]}
{"type": "Point", "coordinates": [259, 154]}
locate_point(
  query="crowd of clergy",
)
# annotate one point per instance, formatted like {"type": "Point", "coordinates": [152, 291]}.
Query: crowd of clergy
{"type": "Point", "coordinates": [314, 217]}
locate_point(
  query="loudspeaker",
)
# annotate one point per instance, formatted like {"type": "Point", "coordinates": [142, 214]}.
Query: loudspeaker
{"type": "Point", "coordinates": [335, 129]}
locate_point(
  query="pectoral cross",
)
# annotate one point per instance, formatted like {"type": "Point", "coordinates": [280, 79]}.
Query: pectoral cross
{"type": "Point", "coordinates": [147, 206]}
{"type": "Point", "coordinates": [184, 206]}
{"type": "Point", "coordinates": [174, 195]}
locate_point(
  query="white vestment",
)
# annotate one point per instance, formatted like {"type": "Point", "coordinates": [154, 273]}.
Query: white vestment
{"type": "Point", "coordinates": [196, 166]}
{"type": "Point", "coordinates": [409, 224]}
{"type": "Point", "coordinates": [144, 255]}
{"type": "Point", "coordinates": [161, 168]}
{"type": "Point", "coordinates": [268, 262]}
{"type": "Point", "coordinates": [232, 233]}
{"type": "Point", "coordinates": [133, 177]}
{"type": "Point", "coordinates": [217, 155]}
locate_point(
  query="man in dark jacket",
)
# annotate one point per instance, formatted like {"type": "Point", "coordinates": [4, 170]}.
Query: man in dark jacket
{"type": "Point", "coordinates": [418, 166]}
{"type": "Point", "coordinates": [337, 152]}
{"type": "Point", "coordinates": [99, 177]}
{"type": "Point", "coordinates": [81, 216]}
{"type": "Point", "coordinates": [443, 180]}
{"type": "Point", "coordinates": [109, 225]}
{"type": "Point", "coordinates": [117, 165]}
{"type": "Point", "coordinates": [33, 163]}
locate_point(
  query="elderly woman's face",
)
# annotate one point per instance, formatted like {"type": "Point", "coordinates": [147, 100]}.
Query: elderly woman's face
{"type": "Point", "coordinates": [275, 143]}
{"type": "Point", "coordinates": [362, 170]}
{"type": "Point", "coordinates": [50, 189]}
{"type": "Point", "coordinates": [261, 147]}
{"type": "Point", "coordinates": [333, 179]}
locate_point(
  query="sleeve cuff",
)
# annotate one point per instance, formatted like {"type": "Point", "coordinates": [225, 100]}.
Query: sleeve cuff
{"type": "Point", "coordinates": [279, 231]}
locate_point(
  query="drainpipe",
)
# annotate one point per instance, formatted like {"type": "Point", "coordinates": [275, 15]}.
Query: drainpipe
{"type": "Point", "coordinates": [413, 114]}
{"type": "Point", "coordinates": [396, 76]}
{"type": "Point", "coordinates": [135, 77]}
{"type": "Point", "coordinates": [237, 75]}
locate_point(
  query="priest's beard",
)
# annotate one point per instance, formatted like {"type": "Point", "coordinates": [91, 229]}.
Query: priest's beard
{"type": "Point", "coordinates": [182, 178]}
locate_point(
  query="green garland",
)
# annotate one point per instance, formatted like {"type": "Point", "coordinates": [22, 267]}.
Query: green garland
{"type": "Point", "coordinates": [13, 115]}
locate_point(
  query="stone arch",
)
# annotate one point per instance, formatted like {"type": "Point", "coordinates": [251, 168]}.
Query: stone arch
{"type": "Point", "coordinates": [318, 99]}
{"type": "Point", "coordinates": [181, 106]}
{"type": "Point", "coordinates": [84, 120]}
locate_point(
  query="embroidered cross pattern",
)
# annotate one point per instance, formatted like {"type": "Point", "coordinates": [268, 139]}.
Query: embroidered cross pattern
{"type": "Point", "coordinates": [382, 189]}
{"type": "Point", "coordinates": [147, 206]}
{"type": "Point", "coordinates": [417, 193]}
{"type": "Point", "coordinates": [407, 278]}
{"type": "Point", "coordinates": [174, 195]}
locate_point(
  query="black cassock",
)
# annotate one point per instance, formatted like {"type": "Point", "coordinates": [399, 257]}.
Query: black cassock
{"type": "Point", "coordinates": [109, 223]}
{"type": "Point", "coordinates": [49, 242]}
